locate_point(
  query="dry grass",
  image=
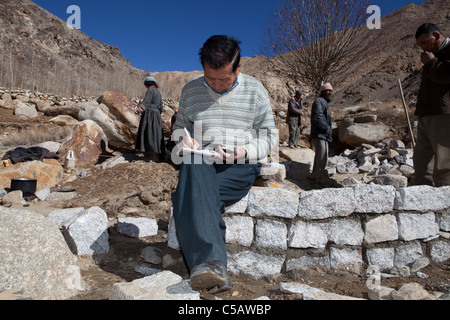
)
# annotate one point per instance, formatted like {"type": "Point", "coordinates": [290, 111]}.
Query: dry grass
{"type": "Point", "coordinates": [31, 136]}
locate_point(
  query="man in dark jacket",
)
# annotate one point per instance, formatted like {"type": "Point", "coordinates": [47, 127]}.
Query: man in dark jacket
{"type": "Point", "coordinates": [432, 151]}
{"type": "Point", "coordinates": [293, 119]}
{"type": "Point", "coordinates": [321, 128]}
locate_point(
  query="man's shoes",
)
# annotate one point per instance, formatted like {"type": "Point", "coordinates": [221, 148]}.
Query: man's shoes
{"type": "Point", "coordinates": [212, 276]}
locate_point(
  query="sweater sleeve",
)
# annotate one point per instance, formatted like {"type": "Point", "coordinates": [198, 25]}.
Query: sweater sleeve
{"type": "Point", "coordinates": [265, 134]}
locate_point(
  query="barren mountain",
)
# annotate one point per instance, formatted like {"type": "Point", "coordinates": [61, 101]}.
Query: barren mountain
{"type": "Point", "coordinates": [38, 51]}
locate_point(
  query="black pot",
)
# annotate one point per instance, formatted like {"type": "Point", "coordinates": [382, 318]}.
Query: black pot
{"type": "Point", "coordinates": [27, 186]}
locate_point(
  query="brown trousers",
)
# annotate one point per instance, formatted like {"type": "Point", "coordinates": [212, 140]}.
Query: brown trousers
{"type": "Point", "coordinates": [321, 157]}
{"type": "Point", "coordinates": [432, 151]}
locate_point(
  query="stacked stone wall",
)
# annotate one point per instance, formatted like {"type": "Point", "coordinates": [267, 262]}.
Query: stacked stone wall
{"type": "Point", "coordinates": [273, 231]}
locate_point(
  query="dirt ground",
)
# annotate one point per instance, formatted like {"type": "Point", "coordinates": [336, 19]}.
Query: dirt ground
{"type": "Point", "coordinates": [140, 188]}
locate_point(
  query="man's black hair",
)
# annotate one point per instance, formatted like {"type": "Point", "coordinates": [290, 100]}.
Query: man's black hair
{"type": "Point", "coordinates": [427, 28]}
{"type": "Point", "coordinates": [219, 51]}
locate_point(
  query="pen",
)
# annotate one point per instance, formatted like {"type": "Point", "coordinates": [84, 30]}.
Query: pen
{"type": "Point", "coordinates": [187, 133]}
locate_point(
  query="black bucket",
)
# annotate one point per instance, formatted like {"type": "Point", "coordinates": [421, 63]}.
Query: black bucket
{"type": "Point", "coordinates": [27, 186]}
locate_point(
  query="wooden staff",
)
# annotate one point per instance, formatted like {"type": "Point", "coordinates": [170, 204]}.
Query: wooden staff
{"type": "Point", "coordinates": [407, 114]}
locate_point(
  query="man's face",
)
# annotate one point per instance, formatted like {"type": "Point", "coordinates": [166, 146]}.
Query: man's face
{"type": "Point", "coordinates": [327, 93]}
{"type": "Point", "coordinates": [429, 42]}
{"type": "Point", "coordinates": [221, 80]}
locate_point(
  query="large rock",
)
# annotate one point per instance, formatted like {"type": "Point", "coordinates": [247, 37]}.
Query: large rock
{"type": "Point", "coordinates": [47, 172]}
{"type": "Point", "coordinates": [355, 134]}
{"type": "Point", "coordinates": [26, 112]}
{"type": "Point", "coordinates": [87, 232]}
{"type": "Point", "coordinates": [164, 285]}
{"type": "Point", "coordinates": [100, 115]}
{"type": "Point", "coordinates": [87, 141]}
{"type": "Point", "coordinates": [302, 155]}
{"type": "Point", "coordinates": [70, 109]}
{"type": "Point", "coordinates": [123, 112]}
{"type": "Point", "coordinates": [35, 258]}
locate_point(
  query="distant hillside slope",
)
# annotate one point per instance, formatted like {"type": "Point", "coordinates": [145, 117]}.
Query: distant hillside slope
{"type": "Point", "coordinates": [38, 51]}
{"type": "Point", "coordinates": [392, 56]}
{"type": "Point", "coordinates": [374, 77]}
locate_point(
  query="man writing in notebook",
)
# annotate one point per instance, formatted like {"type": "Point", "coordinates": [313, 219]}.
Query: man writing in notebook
{"type": "Point", "coordinates": [223, 108]}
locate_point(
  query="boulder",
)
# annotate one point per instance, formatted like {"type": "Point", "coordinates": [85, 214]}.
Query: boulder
{"type": "Point", "coordinates": [100, 114]}
{"type": "Point", "coordinates": [303, 155]}
{"type": "Point", "coordinates": [87, 141]}
{"type": "Point", "coordinates": [47, 172]}
{"type": "Point", "coordinates": [64, 120]}
{"type": "Point", "coordinates": [35, 257]}
{"type": "Point", "coordinates": [123, 112]}
{"type": "Point", "coordinates": [355, 134]}
{"type": "Point", "coordinates": [70, 109]}
{"type": "Point", "coordinates": [86, 232]}
{"type": "Point", "coordinates": [164, 285]}
{"type": "Point", "coordinates": [25, 112]}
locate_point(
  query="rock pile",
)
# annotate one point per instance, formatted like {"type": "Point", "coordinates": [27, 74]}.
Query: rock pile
{"type": "Point", "coordinates": [388, 162]}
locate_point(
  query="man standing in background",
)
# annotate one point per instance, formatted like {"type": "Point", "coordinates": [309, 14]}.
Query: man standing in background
{"type": "Point", "coordinates": [294, 119]}
{"type": "Point", "coordinates": [321, 129]}
{"type": "Point", "coordinates": [432, 151]}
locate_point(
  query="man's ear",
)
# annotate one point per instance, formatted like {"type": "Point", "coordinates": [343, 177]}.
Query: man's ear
{"type": "Point", "coordinates": [436, 35]}
{"type": "Point", "coordinates": [238, 69]}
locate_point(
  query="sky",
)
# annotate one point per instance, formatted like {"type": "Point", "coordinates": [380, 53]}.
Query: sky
{"type": "Point", "coordinates": [159, 36]}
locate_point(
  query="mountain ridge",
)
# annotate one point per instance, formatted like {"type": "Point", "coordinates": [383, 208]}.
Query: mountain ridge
{"type": "Point", "coordinates": [40, 52]}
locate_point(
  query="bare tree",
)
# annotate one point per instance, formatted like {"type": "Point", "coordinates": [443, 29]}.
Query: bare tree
{"type": "Point", "coordinates": [315, 39]}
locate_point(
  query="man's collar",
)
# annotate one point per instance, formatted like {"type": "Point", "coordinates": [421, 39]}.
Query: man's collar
{"type": "Point", "coordinates": [444, 44]}
{"type": "Point", "coordinates": [236, 83]}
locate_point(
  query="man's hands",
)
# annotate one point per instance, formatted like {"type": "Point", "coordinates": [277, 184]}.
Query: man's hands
{"type": "Point", "coordinates": [426, 57]}
{"type": "Point", "coordinates": [230, 156]}
{"type": "Point", "coordinates": [190, 143]}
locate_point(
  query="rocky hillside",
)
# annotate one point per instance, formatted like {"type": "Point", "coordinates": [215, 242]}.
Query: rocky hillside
{"type": "Point", "coordinates": [39, 52]}
{"type": "Point", "coordinates": [393, 55]}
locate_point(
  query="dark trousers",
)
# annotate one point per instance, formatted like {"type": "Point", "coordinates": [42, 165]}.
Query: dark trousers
{"type": "Point", "coordinates": [203, 192]}
{"type": "Point", "coordinates": [321, 155]}
{"type": "Point", "coordinates": [432, 151]}
{"type": "Point", "coordinates": [294, 135]}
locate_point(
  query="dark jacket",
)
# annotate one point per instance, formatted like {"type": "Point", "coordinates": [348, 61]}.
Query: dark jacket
{"type": "Point", "coordinates": [321, 121]}
{"type": "Point", "coordinates": [434, 93]}
{"type": "Point", "coordinates": [294, 112]}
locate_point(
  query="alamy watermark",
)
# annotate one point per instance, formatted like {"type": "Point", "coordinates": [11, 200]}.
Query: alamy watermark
{"type": "Point", "coordinates": [74, 20]}
{"type": "Point", "coordinates": [374, 21]}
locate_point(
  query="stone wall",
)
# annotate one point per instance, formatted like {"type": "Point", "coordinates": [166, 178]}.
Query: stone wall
{"type": "Point", "coordinates": [273, 231]}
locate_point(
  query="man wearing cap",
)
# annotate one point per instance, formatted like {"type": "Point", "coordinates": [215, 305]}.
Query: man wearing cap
{"type": "Point", "coordinates": [293, 119]}
{"type": "Point", "coordinates": [321, 128]}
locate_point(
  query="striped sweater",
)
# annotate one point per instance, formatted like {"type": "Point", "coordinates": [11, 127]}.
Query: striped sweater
{"type": "Point", "coordinates": [243, 117]}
